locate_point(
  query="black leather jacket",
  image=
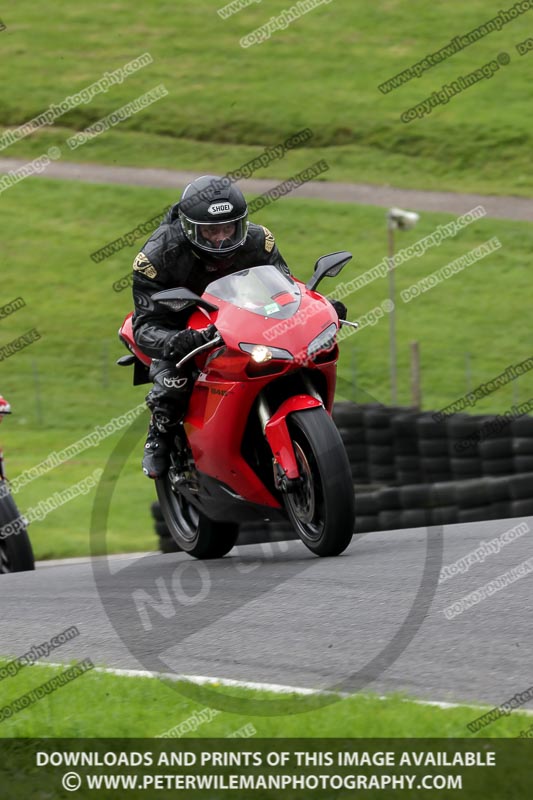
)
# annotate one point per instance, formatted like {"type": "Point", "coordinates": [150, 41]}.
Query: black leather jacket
{"type": "Point", "coordinates": [168, 260]}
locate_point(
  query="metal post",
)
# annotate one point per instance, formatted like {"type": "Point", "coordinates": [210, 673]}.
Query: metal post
{"type": "Point", "coordinates": [392, 320]}
{"type": "Point", "coordinates": [105, 365]}
{"type": "Point", "coordinates": [468, 372]}
{"type": "Point", "coordinates": [37, 384]}
{"type": "Point", "coordinates": [416, 391]}
{"type": "Point", "coordinates": [354, 374]}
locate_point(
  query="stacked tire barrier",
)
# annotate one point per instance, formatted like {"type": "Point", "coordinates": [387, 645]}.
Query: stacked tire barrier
{"type": "Point", "coordinates": [411, 470]}
{"type": "Point", "coordinates": [433, 446]}
{"type": "Point", "coordinates": [380, 445]}
{"type": "Point", "coordinates": [350, 422]}
{"type": "Point", "coordinates": [445, 503]}
{"type": "Point", "coordinates": [522, 445]}
{"type": "Point", "coordinates": [406, 457]}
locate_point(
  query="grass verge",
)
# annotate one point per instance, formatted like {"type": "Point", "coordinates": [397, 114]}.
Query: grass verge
{"type": "Point", "coordinates": [225, 103]}
{"type": "Point", "coordinates": [146, 707]}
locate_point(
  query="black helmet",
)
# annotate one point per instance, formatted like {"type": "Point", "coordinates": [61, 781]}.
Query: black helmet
{"type": "Point", "coordinates": [214, 215]}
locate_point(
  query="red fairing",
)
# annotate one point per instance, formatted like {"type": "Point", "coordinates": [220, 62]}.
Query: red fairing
{"type": "Point", "coordinates": [285, 321]}
{"type": "Point", "coordinates": [278, 436]}
{"type": "Point", "coordinates": [225, 391]}
{"type": "Point", "coordinates": [215, 424]}
{"type": "Point", "coordinates": [126, 334]}
{"type": "Point", "coordinates": [5, 408]}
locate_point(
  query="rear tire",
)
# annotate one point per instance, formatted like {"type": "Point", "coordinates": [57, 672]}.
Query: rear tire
{"type": "Point", "coordinates": [322, 512]}
{"type": "Point", "coordinates": [192, 531]}
{"type": "Point", "coordinates": [16, 554]}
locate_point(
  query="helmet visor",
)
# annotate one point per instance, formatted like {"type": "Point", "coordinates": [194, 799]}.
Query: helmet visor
{"type": "Point", "coordinates": [217, 237]}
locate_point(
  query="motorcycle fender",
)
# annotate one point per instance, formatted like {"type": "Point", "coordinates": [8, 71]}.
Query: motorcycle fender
{"type": "Point", "coordinates": [278, 436]}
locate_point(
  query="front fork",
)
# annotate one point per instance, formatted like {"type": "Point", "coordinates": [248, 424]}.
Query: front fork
{"type": "Point", "coordinates": [286, 472]}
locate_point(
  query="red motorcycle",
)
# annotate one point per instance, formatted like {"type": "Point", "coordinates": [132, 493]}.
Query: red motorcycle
{"type": "Point", "coordinates": [16, 554]}
{"type": "Point", "coordinates": [259, 439]}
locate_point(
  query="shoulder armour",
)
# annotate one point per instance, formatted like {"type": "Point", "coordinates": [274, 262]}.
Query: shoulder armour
{"type": "Point", "coordinates": [269, 240]}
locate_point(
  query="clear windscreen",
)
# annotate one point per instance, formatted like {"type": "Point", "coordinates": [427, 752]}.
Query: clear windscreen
{"type": "Point", "coordinates": [262, 290]}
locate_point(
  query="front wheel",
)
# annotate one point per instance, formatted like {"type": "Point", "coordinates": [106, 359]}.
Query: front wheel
{"type": "Point", "coordinates": [190, 529]}
{"type": "Point", "coordinates": [16, 554]}
{"type": "Point", "coordinates": [322, 510]}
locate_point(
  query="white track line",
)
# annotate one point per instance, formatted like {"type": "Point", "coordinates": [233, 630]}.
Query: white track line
{"type": "Point", "coordinates": [203, 680]}
{"type": "Point", "coordinates": [64, 562]}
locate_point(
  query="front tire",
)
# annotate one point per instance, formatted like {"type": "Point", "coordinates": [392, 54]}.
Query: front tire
{"type": "Point", "coordinates": [322, 510]}
{"type": "Point", "coordinates": [16, 554]}
{"type": "Point", "coordinates": [190, 529]}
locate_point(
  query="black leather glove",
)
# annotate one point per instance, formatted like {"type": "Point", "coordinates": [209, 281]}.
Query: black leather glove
{"type": "Point", "coordinates": [181, 343]}
{"type": "Point", "coordinates": [340, 308]}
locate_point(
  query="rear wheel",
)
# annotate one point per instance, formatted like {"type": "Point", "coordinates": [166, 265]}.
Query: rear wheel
{"type": "Point", "coordinates": [16, 554]}
{"type": "Point", "coordinates": [322, 510]}
{"type": "Point", "coordinates": [190, 529]}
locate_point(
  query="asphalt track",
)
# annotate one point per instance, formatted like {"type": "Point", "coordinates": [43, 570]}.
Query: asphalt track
{"type": "Point", "coordinates": [286, 617]}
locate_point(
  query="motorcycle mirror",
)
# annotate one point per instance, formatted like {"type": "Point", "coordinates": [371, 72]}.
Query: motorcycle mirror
{"type": "Point", "coordinates": [329, 265]}
{"type": "Point", "coordinates": [180, 298]}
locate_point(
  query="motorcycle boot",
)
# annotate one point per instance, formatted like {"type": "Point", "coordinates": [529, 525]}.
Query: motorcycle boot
{"type": "Point", "coordinates": [165, 435]}
{"type": "Point", "coordinates": [167, 401]}
{"type": "Point", "coordinates": [156, 457]}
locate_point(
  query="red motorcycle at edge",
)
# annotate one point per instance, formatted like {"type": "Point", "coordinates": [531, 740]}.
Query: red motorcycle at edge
{"type": "Point", "coordinates": [259, 440]}
{"type": "Point", "coordinates": [16, 553]}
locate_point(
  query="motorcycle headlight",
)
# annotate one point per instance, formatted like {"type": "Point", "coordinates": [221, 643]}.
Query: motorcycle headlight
{"type": "Point", "coordinates": [260, 353]}
{"type": "Point", "coordinates": [324, 340]}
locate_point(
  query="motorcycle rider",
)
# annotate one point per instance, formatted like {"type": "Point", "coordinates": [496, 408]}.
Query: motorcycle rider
{"type": "Point", "coordinates": [204, 236]}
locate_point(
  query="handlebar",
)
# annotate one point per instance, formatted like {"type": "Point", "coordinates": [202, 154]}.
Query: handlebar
{"type": "Point", "coordinates": [350, 324]}
{"type": "Point", "coordinates": [200, 349]}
